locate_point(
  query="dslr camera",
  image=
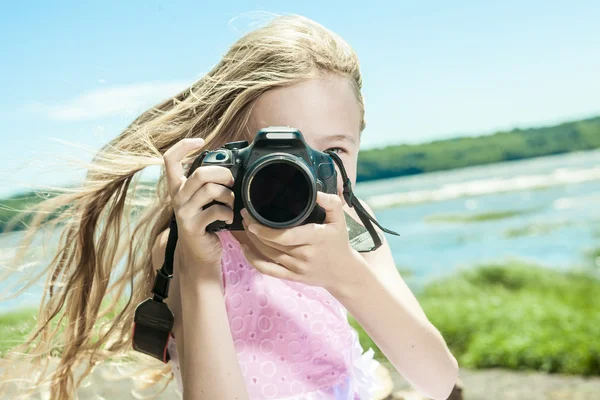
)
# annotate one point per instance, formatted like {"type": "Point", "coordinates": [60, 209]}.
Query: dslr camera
{"type": "Point", "coordinates": [276, 178]}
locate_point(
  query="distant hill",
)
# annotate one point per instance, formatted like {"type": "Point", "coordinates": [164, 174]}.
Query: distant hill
{"type": "Point", "coordinates": [400, 160]}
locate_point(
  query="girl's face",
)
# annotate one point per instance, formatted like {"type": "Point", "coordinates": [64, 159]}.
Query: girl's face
{"type": "Point", "coordinates": [325, 110]}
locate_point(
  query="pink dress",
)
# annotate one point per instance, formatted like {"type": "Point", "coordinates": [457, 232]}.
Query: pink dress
{"type": "Point", "coordinates": [293, 341]}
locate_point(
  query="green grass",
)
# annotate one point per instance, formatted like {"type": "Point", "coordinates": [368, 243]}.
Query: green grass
{"type": "Point", "coordinates": [477, 217]}
{"type": "Point", "coordinates": [14, 327]}
{"type": "Point", "coordinates": [519, 317]}
{"type": "Point", "coordinates": [515, 317]}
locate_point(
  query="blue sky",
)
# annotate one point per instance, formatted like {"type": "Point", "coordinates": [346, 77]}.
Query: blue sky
{"type": "Point", "coordinates": [81, 72]}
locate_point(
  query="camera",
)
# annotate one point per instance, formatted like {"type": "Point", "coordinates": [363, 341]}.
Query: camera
{"type": "Point", "coordinates": [276, 178]}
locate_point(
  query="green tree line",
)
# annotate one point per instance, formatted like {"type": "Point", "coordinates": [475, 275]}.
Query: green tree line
{"type": "Point", "coordinates": [400, 160]}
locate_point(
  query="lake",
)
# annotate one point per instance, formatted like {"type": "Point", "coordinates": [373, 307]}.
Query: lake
{"type": "Point", "coordinates": [551, 209]}
{"type": "Point", "coordinates": [544, 211]}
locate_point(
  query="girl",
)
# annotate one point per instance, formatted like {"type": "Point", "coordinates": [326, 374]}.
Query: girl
{"type": "Point", "coordinates": [259, 313]}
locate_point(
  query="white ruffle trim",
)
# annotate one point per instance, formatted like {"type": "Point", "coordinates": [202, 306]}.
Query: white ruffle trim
{"type": "Point", "coordinates": [364, 367]}
{"type": "Point", "coordinates": [362, 379]}
{"type": "Point", "coordinates": [341, 391]}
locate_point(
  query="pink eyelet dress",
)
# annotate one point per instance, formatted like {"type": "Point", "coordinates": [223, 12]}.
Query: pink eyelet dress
{"type": "Point", "coordinates": [293, 341]}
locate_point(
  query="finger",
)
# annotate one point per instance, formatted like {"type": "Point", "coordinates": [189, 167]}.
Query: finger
{"type": "Point", "coordinates": [273, 254]}
{"type": "Point", "coordinates": [172, 159]}
{"type": "Point", "coordinates": [289, 256]}
{"type": "Point", "coordinates": [281, 247]}
{"type": "Point", "coordinates": [267, 267]}
{"type": "Point", "coordinates": [296, 236]}
{"type": "Point", "coordinates": [206, 194]}
{"type": "Point", "coordinates": [203, 175]}
{"type": "Point", "coordinates": [333, 207]}
{"type": "Point", "coordinates": [201, 220]}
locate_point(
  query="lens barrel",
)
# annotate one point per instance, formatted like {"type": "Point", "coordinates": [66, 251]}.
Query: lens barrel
{"type": "Point", "coordinates": [279, 190]}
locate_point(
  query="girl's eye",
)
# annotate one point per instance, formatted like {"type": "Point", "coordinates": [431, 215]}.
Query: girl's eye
{"type": "Point", "coordinates": [336, 150]}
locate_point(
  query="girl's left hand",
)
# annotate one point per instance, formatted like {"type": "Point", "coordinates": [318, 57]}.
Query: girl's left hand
{"type": "Point", "coordinates": [314, 254]}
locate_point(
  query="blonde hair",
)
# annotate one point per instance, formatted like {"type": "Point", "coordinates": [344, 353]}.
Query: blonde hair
{"type": "Point", "coordinates": [96, 218]}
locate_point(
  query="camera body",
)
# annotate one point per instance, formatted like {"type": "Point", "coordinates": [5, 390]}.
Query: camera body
{"type": "Point", "coordinates": [276, 178]}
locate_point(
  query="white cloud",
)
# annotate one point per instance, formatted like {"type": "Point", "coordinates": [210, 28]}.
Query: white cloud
{"type": "Point", "coordinates": [115, 101]}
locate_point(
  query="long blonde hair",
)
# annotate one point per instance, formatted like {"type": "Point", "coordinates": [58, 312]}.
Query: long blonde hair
{"type": "Point", "coordinates": [111, 217]}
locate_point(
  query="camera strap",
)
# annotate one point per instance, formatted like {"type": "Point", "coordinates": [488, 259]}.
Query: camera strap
{"type": "Point", "coordinates": [153, 319]}
{"type": "Point", "coordinates": [164, 275]}
{"type": "Point", "coordinates": [352, 201]}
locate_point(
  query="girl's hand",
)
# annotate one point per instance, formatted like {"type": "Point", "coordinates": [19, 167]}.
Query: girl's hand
{"type": "Point", "coordinates": [314, 254]}
{"type": "Point", "coordinates": [200, 249]}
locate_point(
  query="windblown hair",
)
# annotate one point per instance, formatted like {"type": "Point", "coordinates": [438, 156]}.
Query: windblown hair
{"type": "Point", "coordinates": [102, 267]}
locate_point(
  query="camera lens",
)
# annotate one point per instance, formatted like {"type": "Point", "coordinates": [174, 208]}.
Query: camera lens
{"type": "Point", "coordinates": [280, 190]}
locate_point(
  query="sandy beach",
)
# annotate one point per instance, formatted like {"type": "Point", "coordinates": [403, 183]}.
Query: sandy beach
{"type": "Point", "coordinates": [108, 382]}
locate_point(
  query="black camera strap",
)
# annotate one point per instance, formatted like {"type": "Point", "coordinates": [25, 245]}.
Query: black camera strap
{"type": "Point", "coordinates": [153, 319]}
{"type": "Point", "coordinates": [164, 275]}
{"type": "Point", "coordinates": [352, 201]}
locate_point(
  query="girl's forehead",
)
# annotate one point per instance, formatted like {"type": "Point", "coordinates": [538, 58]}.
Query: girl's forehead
{"type": "Point", "coordinates": [320, 108]}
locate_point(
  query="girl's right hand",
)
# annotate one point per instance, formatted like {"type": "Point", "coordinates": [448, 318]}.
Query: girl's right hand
{"type": "Point", "coordinates": [200, 249]}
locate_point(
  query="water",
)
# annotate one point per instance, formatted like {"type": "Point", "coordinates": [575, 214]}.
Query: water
{"type": "Point", "coordinates": [558, 198]}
